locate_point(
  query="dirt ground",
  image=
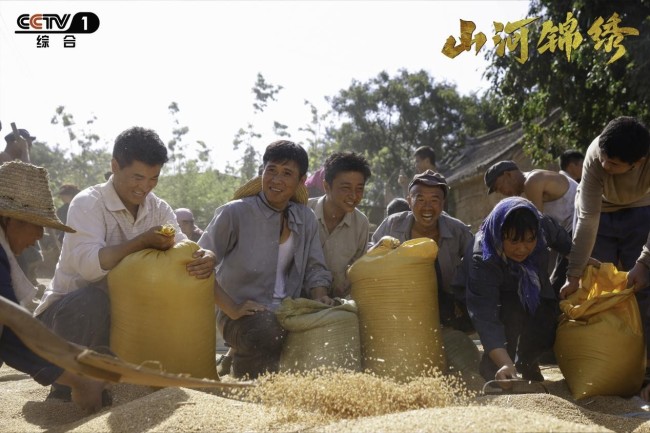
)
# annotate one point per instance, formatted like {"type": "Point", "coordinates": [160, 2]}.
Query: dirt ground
{"type": "Point", "coordinates": [23, 408]}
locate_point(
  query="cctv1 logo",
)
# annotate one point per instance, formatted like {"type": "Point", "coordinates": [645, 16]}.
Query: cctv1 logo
{"type": "Point", "coordinates": [81, 22]}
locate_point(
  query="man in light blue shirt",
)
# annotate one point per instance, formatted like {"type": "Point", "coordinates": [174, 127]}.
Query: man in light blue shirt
{"type": "Point", "coordinates": [267, 249]}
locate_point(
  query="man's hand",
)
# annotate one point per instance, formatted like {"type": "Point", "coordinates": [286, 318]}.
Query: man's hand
{"type": "Point", "coordinates": [203, 265]}
{"type": "Point", "coordinates": [571, 286]}
{"type": "Point", "coordinates": [504, 373]}
{"type": "Point", "coordinates": [593, 262]}
{"type": "Point", "coordinates": [320, 294]}
{"type": "Point", "coordinates": [637, 277]}
{"type": "Point", "coordinates": [246, 308]}
{"type": "Point", "coordinates": [153, 239]}
{"type": "Point", "coordinates": [325, 300]}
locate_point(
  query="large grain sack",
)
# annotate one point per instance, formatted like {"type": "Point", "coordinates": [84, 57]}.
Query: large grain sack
{"type": "Point", "coordinates": [162, 315]}
{"type": "Point", "coordinates": [461, 353]}
{"type": "Point", "coordinates": [396, 291]}
{"type": "Point", "coordinates": [599, 345]}
{"type": "Point", "coordinates": [319, 335]}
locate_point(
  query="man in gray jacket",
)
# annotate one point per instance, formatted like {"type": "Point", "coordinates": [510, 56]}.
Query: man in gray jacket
{"type": "Point", "coordinates": [268, 249]}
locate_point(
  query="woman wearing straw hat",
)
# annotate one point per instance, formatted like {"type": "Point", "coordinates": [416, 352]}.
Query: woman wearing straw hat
{"type": "Point", "coordinates": [26, 207]}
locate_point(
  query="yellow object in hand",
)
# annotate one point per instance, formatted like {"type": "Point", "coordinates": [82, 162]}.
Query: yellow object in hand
{"type": "Point", "coordinates": [167, 230]}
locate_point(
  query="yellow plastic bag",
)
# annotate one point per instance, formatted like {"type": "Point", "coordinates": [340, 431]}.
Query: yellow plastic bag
{"type": "Point", "coordinates": [319, 335]}
{"type": "Point", "coordinates": [396, 291]}
{"type": "Point", "coordinates": [162, 315]}
{"type": "Point", "coordinates": [599, 344]}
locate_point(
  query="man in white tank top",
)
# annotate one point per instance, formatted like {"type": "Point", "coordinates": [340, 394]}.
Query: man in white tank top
{"type": "Point", "coordinates": [552, 193]}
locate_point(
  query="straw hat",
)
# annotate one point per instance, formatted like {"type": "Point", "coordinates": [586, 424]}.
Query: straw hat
{"type": "Point", "coordinates": [25, 195]}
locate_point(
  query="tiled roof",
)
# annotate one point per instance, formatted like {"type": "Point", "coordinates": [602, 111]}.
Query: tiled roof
{"type": "Point", "coordinates": [481, 152]}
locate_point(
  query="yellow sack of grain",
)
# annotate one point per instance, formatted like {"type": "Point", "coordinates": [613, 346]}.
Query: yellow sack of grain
{"type": "Point", "coordinates": [319, 335]}
{"type": "Point", "coordinates": [161, 315]}
{"type": "Point", "coordinates": [396, 292]}
{"type": "Point", "coordinates": [599, 344]}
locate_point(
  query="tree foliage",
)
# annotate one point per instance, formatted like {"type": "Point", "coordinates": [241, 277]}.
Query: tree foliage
{"type": "Point", "coordinates": [319, 141]}
{"type": "Point", "coordinates": [386, 118]}
{"type": "Point", "coordinates": [590, 91]}
{"type": "Point", "coordinates": [85, 162]}
{"type": "Point", "coordinates": [263, 92]}
{"type": "Point", "coordinates": [87, 158]}
{"type": "Point", "coordinates": [201, 191]}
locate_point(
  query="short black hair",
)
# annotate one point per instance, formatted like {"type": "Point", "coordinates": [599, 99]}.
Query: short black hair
{"type": "Point", "coordinates": [139, 144]}
{"type": "Point", "coordinates": [569, 157]}
{"type": "Point", "coordinates": [423, 152]}
{"type": "Point", "coordinates": [625, 138]}
{"type": "Point", "coordinates": [519, 221]}
{"type": "Point", "coordinates": [285, 150]}
{"type": "Point", "coordinates": [397, 205]}
{"type": "Point", "coordinates": [345, 161]}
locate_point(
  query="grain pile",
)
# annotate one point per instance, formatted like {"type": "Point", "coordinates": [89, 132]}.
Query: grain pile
{"type": "Point", "coordinates": [340, 394]}
{"type": "Point", "coordinates": [332, 401]}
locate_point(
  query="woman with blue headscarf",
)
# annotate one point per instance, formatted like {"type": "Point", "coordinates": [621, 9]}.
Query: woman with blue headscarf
{"type": "Point", "coordinates": [509, 296]}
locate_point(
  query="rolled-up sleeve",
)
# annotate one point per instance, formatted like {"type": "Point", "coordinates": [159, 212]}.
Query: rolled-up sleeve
{"type": "Point", "coordinates": [86, 217]}
{"type": "Point", "coordinates": [316, 272]}
{"type": "Point", "coordinates": [221, 234]}
{"type": "Point", "coordinates": [483, 294]}
{"type": "Point", "coordinates": [588, 207]}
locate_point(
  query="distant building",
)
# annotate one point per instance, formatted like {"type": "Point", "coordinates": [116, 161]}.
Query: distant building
{"type": "Point", "coordinates": [468, 199]}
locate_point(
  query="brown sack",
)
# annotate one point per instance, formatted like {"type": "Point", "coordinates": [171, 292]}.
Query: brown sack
{"type": "Point", "coordinates": [396, 291]}
{"type": "Point", "coordinates": [160, 315]}
{"type": "Point", "coordinates": [599, 344]}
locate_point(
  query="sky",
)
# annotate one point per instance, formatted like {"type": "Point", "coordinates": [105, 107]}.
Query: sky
{"type": "Point", "coordinates": [205, 56]}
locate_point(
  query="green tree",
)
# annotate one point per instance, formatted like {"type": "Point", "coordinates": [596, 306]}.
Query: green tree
{"type": "Point", "coordinates": [387, 118]}
{"type": "Point", "coordinates": [263, 92]}
{"type": "Point", "coordinates": [177, 148]}
{"type": "Point", "coordinates": [319, 141]}
{"type": "Point", "coordinates": [202, 192]}
{"type": "Point", "coordinates": [88, 158]}
{"type": "Point", "coordinates": [589, 90]}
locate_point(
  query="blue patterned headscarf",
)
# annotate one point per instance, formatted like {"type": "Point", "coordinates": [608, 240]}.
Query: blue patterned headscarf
{"type": "Point", "coordinates": [527, 272]}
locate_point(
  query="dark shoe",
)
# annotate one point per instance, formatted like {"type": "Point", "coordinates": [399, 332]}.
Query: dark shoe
{"type": "Point", "coordinates": [107, 398]}
{"type": "Point", "coordinates": [60, 392]}
{"type": "Point", "coordinates": [224, 364]}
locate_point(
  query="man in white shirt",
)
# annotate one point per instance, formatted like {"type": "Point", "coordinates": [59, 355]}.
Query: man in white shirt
{"type": "Point", "coordinates": [113, 220]}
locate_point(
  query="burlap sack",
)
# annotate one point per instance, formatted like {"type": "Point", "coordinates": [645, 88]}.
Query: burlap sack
{"type": "Point", "coordinates": [160, 315]}
{"type": "Point", "coordinates": [599, 345]}
{"type": "Point", "coordinates": [461, 353]}
{"type": "Point", "coordinates": [319, 335]}
{"type": "Point", "coordinates": [396, 291]}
